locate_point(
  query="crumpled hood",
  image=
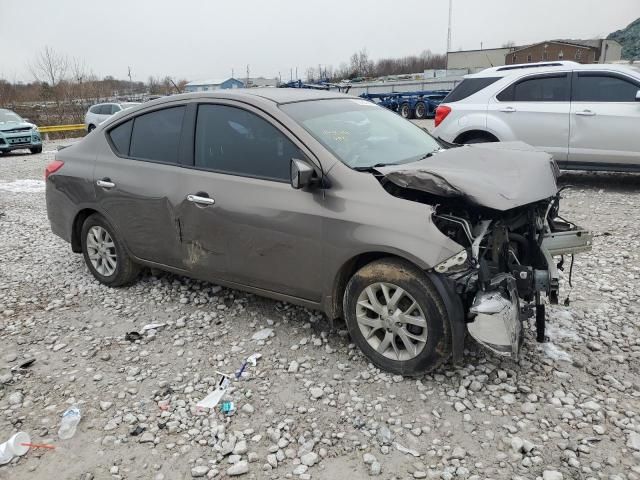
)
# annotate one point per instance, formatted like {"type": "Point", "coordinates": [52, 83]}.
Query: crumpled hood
{"type": "Point", "coordinates": [495, 175]}
{"type": "Point", "coordinates": [14, 125]}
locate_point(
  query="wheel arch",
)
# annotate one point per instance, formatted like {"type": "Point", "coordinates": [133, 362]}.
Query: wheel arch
{"type": "Point", "coordinates": [76, 228]}
{"type": "Point", "coordinates": [452, 302]}
{"type": "Point", "coordinates": [465, 136]}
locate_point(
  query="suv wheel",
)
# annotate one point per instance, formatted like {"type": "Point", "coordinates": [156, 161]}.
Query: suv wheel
{"type": "Point", "coordinates": [396, 317]}
{"type": "Point", "coordinates": [35, 150]}
{"type": "Point", "coordinates": [105, 254]}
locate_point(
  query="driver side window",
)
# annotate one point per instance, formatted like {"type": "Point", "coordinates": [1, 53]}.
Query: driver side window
{"type": "Point", "coordinates": [235, 141]}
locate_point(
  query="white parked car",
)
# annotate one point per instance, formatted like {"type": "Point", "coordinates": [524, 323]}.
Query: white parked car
{"type": "Point", "coordinates": [586, 116]}
{"type": "Point", "coordinates": [100, 112]}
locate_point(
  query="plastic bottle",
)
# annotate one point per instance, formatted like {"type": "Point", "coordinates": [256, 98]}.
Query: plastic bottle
{"type": "Point", "coordinates": [69, 422]}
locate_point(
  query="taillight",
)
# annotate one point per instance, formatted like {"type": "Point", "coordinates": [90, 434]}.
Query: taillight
{"type": "Point", "coordinates": [53, 167]}
{"type": "Point", "coordinates": [441, 113]}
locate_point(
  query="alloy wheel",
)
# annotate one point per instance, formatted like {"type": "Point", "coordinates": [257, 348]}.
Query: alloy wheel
{"type": "Point", "coordinates": [391, 321]}
{"type": "Point", "coordinates": [101, 250]}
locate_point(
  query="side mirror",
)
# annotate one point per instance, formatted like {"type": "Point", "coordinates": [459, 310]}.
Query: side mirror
{"type": "Point", "coordinates": [29, 120]}
{"type": "Point", "coordinates": [638, 96]}
{"type": "Point", "coordinates": [301, 173]}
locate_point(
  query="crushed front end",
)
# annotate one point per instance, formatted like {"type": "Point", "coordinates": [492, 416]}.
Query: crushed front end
{"type": "Point", "coordinates": [509, 260]}
{"type": "Point", "coordinates": [500, 203]}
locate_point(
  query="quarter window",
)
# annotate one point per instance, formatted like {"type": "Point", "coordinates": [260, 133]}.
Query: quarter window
{"type": "Point", "coordinates": [121, 136]}
{"type": "Point", "coordinates": [468, 87]}
{"type": "Point", "coordinates": [553, 88]}
{"type": "Point", "coordinates": [115, 108]}
{"type": "Point", "coordinates": [95, 109]}
{"type": "Point", "coordinates": [235, 141]}
{"type": "Point", "coordinates": [105, 110]}
{"type": "Point", "coordinates": [156, 135]}
{"type": "Point", "coordinates": [601, 87]}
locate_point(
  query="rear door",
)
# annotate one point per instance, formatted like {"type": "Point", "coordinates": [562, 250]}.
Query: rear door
{"type": "Point", "coordinates": [605, 117]}
{"type": "Point", "coordinates": [137, 183]}
{"type": "Point", "coordinates": [246, 223]}
{"type": "Point", "coordinates": [535, 109]}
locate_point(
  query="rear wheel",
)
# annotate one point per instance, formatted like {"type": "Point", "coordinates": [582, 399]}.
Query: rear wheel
{"type": "Point", "coordinates": [397, 318]}
{"type": "Point", "coordinates": [421, 110]}
{"type": "Point", "coordinates": [405, 110]}
{"type": "Point", "coordinates": [104, 253]}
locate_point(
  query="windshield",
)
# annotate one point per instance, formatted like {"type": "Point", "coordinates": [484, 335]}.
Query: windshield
{"type": "Point", "coordinates": [360, 133]}
{"type": "Point", "coordinates": [8, 116]}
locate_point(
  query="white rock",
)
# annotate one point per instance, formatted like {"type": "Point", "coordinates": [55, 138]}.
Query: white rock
{"type": "Point", "coordinates": [199, 471]}
{"type": "Point", "coordinates": [552, 475]}
{"type": "Point", "coordinates": [368, 458]}
{"type": "Point", "coordinates": [240, 448]}
{"type": "Point", "coordinates": [262, 334]}
{"type": "Point", "coordinates": [239, 468]}
{"type": "Point", "coordinates": [634, 441]}
{"type": "Point", "coordinates": [309, 459]}
{"type": "Point", "coordinates": [316, 392]}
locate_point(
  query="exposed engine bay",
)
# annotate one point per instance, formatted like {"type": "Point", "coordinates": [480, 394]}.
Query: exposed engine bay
{"type": "Point", "coordinates": [506, 261]}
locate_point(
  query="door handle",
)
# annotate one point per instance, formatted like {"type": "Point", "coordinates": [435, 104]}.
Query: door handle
{"type": "Point", "coordinates": [200, 200]}
{"type": "Point", "coordinates": [508, 109]}
{"type": "Point", "coordinates": [586, 113]}
{"type": "Point", "coordinates": [105, 183]}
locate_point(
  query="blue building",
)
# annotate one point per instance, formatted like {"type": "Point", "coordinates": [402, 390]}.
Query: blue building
{"type": "Point", "coordinates": [213, 84]}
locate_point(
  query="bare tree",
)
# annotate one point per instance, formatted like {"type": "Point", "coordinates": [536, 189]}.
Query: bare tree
{"type": "Point", "coordinates": [50, 67]}
{"type": "Point", "coordinates": [509, 44]}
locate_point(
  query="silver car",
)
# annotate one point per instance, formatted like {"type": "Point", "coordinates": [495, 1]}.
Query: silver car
{"type": "Point", "coordinates": [586, 116]}
{"type": "Point", "coordinates": [100, 112]}
{"type": "Point", "coordinates": [327, 201]}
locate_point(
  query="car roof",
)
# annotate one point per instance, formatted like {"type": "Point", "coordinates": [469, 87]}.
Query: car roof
{"type": "Point", "coordinates": [548, 67]}
{"type": "Point", "coordinates": [276, 95]}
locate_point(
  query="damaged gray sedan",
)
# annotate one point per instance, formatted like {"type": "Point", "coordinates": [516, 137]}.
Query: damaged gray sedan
{"type": "Point", "coordinates": [326, 201]}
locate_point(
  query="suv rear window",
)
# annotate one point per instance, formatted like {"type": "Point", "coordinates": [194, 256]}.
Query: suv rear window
{"type": "Point", "coordinates": [468, 87]}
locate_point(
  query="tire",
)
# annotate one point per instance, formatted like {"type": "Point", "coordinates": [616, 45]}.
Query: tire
{"type": "Point", "coordinates": [35, 150]}
{"type": "Point", "coordinates": [478, 139]}
{"type": "Point", "coordinates": [91, 128]}
{"type": "Point", "coordinates": [385, 347]}
{"type": "Point", "coordinates": [405, 110]}
{"type": "Point", "coordinates": [421, 110]}
{"type": "Point", "coordinates": [116, 270]}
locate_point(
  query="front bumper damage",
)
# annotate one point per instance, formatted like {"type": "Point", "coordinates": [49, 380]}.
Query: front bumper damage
{"type": "Point", "coordinates": [499, 295]}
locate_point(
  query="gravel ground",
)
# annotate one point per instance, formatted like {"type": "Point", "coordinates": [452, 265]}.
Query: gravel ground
{"type": "Point", "coordinates": [312, 407]}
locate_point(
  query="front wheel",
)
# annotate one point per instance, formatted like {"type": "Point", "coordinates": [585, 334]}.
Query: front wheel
{"type": "Point", "coordinates": [104, 253]}
{"type": "Point", "coordinates": [396, 317]}
{"type": "Point", "coordinates": [35, 150]}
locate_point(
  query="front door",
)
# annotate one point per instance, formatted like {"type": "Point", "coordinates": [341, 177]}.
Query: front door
{"type": "Point", "coordinates": [536, 110]}
{"type": "Point", "coordinates": [240, 218]}
{"type": "Point", "coordinates": [605, 117]}
{"type": "Point", "coordinates": [137, 187]}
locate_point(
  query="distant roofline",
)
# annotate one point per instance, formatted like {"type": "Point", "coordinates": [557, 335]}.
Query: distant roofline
{"type": "Point", "coordinates": [484, 49]}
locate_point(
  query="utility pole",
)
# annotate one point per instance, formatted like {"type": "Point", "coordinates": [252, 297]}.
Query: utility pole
{"type": "Point", "coordinates": [246, 85]}
{"type": "Point", "coordinates": [130, 86]}
{"type": "Point", "coordinates": [449, 31]}
{"type": "Point", "coordinates": [232, 76]}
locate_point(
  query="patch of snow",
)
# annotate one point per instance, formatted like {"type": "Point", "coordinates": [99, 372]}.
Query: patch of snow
{"type": "Point", "coordinates": [554, 352]}
{"type": "Point", "coordinates": [23, 186]}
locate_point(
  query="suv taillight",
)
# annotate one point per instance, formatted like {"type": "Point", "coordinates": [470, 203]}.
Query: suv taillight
{"type": "Point", "coordinates": [441, 113]}
{"type": "Point", "coordinates": [53, 167]}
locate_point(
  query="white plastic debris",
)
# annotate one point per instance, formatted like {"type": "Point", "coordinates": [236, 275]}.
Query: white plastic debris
{"type": "Point", "coordinates": [17, 445]}
{"type": "Point", "coordinates": [153, 326]}
{"type": "Point", "coordinates": [211, 400]}
{"type": "Point", "coordinates": [402, 449]}
{"type": "Point", "coordinates": [253, 359]}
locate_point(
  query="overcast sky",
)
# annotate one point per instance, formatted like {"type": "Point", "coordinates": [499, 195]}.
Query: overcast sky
{"type": "Point", "coordinates": [198, 39]}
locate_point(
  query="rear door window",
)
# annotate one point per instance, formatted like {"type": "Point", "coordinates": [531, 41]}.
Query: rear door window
{"type": "Point", "coordinates": [468, 87]}
{"type": "Point", "coordinates": [233, 140]}
{"type": "Point", "coordinates": [603, 87]}
{"type": "Point", "coordinates": [547, 88]}
{"type": "Point", "coordinates": [121, 137]}
{"type": "Point", "coordinates": [156, 135]}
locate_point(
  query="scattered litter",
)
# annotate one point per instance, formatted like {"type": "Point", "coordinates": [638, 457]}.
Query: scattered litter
{"type": "Point", "coordinates": [39, 445]}
{"type": "Point", "coordinates": [554, 352]}
{"type": "Point", "coordinates": [211, 400]}
{"type": "Point", "coordinates": [17, 445]}
{"type": "Point", "coordinates": [252, 359]}
{"type": "Point", "coordinates": [137, 431]}
{"type": "Point", "coordinates": [262, 334]}
{"type": "Point", "coordinates": [402, 449]}
{"type": "Point", "coordinates": [70, 420]}
{"type": "Point", "coordinates": [132, 336]}
{"type": "Point", "coordinates": [153, 326]}
{"type": "Point", "coordinates": [24, 365]}
{"type": "Point", "coordinates": [23, 186]}
{"type": "Point", "coordinates": [227, 408]}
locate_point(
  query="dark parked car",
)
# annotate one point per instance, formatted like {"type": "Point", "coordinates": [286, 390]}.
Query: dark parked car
{"type": "Point", "coordinates": [327, 201]}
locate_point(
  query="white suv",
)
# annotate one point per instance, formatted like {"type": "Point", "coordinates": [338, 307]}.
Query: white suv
{"type": "Point", "coordinates": [100, 112]}
{"type": "Point", "coordinates": [586, 116]}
